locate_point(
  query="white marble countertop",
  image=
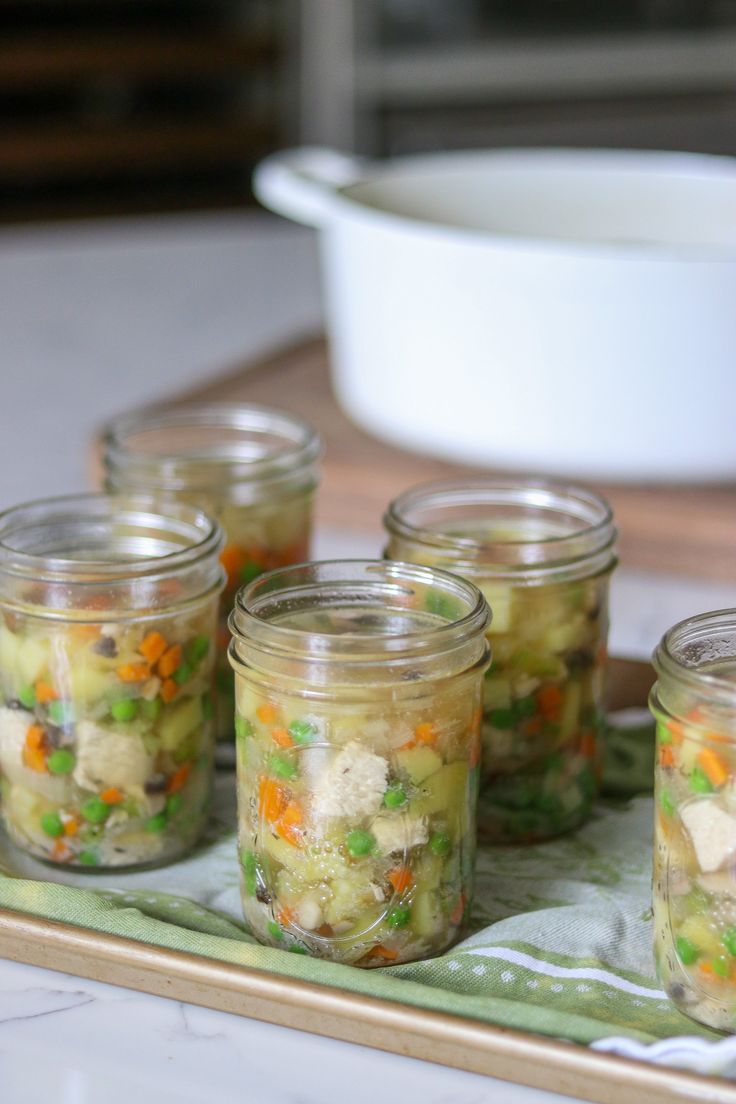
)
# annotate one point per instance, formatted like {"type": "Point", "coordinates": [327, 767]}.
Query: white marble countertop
{"type": "Point", "coordinates": [95, 319]}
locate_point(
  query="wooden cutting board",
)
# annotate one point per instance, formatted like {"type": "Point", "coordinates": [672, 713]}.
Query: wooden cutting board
{"type": "Point", "coordinates": [684, 530]}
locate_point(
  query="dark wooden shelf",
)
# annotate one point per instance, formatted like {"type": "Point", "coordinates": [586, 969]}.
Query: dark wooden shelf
{"type": "Point", "coordinates": [47, 60]}
{"type": "Point", "coordinates": [62, 151]}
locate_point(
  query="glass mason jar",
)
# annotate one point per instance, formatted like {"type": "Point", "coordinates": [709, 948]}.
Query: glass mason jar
{"type": "Point", "coordinates": [108, 610]}
{"type": "Point", "coordinates": [251, 468]}
{"type": "Point", "coordinates": [694, 703]}
{"type": "Point", "coordinates": [542, 554]}
{"type": "Point", "coordinates": [358, 688]}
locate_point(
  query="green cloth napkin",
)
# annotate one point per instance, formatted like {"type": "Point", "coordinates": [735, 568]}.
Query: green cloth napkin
{"type": "Point", "coordinates": [561, 932]}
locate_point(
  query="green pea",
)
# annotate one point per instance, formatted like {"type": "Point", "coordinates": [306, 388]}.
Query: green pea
{"type": "Point", "coordinates": [197, 649]}
{"type": "Point", "coordinates": [156, 823]}
{"type": "Point", "coordinates": [547, 803]}
{"type": "Point", "coordinates": [502, 718]}
{"type": "Point", "coordinates": [297, 948]}
{"type": "Point", "coordinates": [61, 761]}
{"type": "Point", "coordinates": [243, 728]}
{"type": "Point", "coordinates": [52, 825]}
{"type": "Point", "coordinates": [398, 917]}
{"type": "Point", "coordinates": [274, 930]}
{"type": "Point", "coordinates": [728, 939]}
{"type": "Point", "coordinates": [283, 766]}
{"type": "Point", "coordinates": [526, 707]}
{"type": "Point", "coordinates": [664, 736]}
{"type": "Point", "coordinates": [27, 697]}
{"type": "Point", "coordinates": [687, 952]}
{"type": "Point", "coordinates": [124, 710]}
{"type": "Point", "coordinates": [89, 858]}
{"type": "Point", "coordinates": [441, 605]}
{"type": "Point", "coordinates": [721, 966]}
{"type": "Point", "coordinates": [207, 707]}
{"type": "Point", "coordinates": [359, 842]}
{"type": "Point", "coordinates": [249, 572]}
{"type": "Point", "coordinates": [61, 713]}
{"type": "Point", "coordinates": [174, 803]}
{"type": "Point", "coordinates": [699, 782]}
{"type": "Point", "coordinates": [183, 672]}
{"type": "Point", "coordinates": [302, 732]}
{"type": "Point", "coordinates": [250, 870]}
{"type": "Point", "coordinates": [151, 709]}
{"type": "Point", "coordinates": [395, 796]}
{"type": "Point", "coordinates": [587, 783]}
{"type": "Point", "coordinates": [96, 811]}
{"type": "Point", "coordinates": [668, 805]}
{"type": "Point", "coordinates": [440, 844]}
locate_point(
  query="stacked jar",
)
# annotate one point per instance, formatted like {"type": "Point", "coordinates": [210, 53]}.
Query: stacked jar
{"type": "Point", "coordinates": [251, 468]}
{"type": "Point", "coordinates": [542, 554]}
{"type": "Point", "coordinates": [109, 610]}
{"type": "Point", "coordinates": [358, 718]}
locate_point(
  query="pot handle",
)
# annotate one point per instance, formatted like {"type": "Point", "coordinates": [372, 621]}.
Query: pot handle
{"type": "Point", "coordinates": [301, 183]}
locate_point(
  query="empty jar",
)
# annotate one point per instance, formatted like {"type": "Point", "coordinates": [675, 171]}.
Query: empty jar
{"type": "Point", "coordinates": [542, 554]}
{"type": "Point", "coordinates": [358, 715]}
{"type": "Point", "coordinates": [108, 612]}
{"type": "Point", "coordinates": [252, 468]}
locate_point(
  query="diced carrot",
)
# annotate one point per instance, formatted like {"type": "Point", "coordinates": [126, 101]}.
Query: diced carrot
{"type": "Point", "coordinates": [285, 916]}
{"type": "Point", "coordinates": [232, 559]}
{"type": "Point", "coordinates": [111, 796]}
{"type": "Point", "coordinates": [266, 713]}
{"type": "Point", "coordinates": [288, 826]}
{"type": "Point", "coordinates": [35, 737]}
{"type": "Point", "coordinates": [588, 745]}
{"type": "Point", "coordinates": [326, 930]}
{"type": "Point", "coordinates": [549, 700]}
{"type": "Point", "coordinates": [408, 745]}
{"type": "Point", "coordinates": [533, 726]}
{"type": "Point", "coordinates": [457, 913]}
{"type": "Point", "coordinates": [134, 672]}
{"type": "Point", "coordinates": [71, 826]}
{"type": "Point", "coordinates": [676, 732]}
{"type": "Point", "coordinates": [179, 778]}
{"type": "Point", "coordinates": [477, 719]}
{"type": "Point", "coordinates": [45, 693]}
{"type": "Point", "coordinates": [426, 733]}
{"type": "Point", "coordinates": [705, 967]}
{"type": "Point", "coordinates": [35, 759]}
{"type": "Point", "coordinates": [223, 637]}
{"type": "Point", "coordinates": [60, 852]}
{"type": "Point", "coordinates": [666, 755]}
{"type": "Point", "coordinates": [86, 632]}
{"type": "Point", "coordinates": [152, 646]}
{"type": "Point", "coordinates": [474, 757]}
{"type": "Point", "coordinates": [379, 951]}
{"type": "Point", "coordinates": [400, 878]}
{"type": "Point", "coordinates": [168, 690]}
{"type": "Point", "coordinates": [713, 766]}
{"type": "Point", "coordinates": [272, 800]}
{"type": "Point", "coordinates": [281, 737]}
{"type": "Point", "coordinates": [169, 661]}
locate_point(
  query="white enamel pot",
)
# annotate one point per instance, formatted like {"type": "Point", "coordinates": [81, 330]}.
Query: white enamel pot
{"type": "Point", "coordinates": [561, 311]}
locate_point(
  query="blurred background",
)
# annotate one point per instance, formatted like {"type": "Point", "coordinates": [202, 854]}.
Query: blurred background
{"type": "Point", "coordinates": [132, 106]}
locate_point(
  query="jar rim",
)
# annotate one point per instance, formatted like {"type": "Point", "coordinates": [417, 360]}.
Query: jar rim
{"type": "Point", "coordinates": [247, 458]}
{"type": "Point", "coordinates": [589, 533]}
{"type": "Point", "coordinates": [689, 633]}
{"type": "Point", "coordinates": [356, 580]}
{"type": "Point", "coordinates": [198, 535]}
